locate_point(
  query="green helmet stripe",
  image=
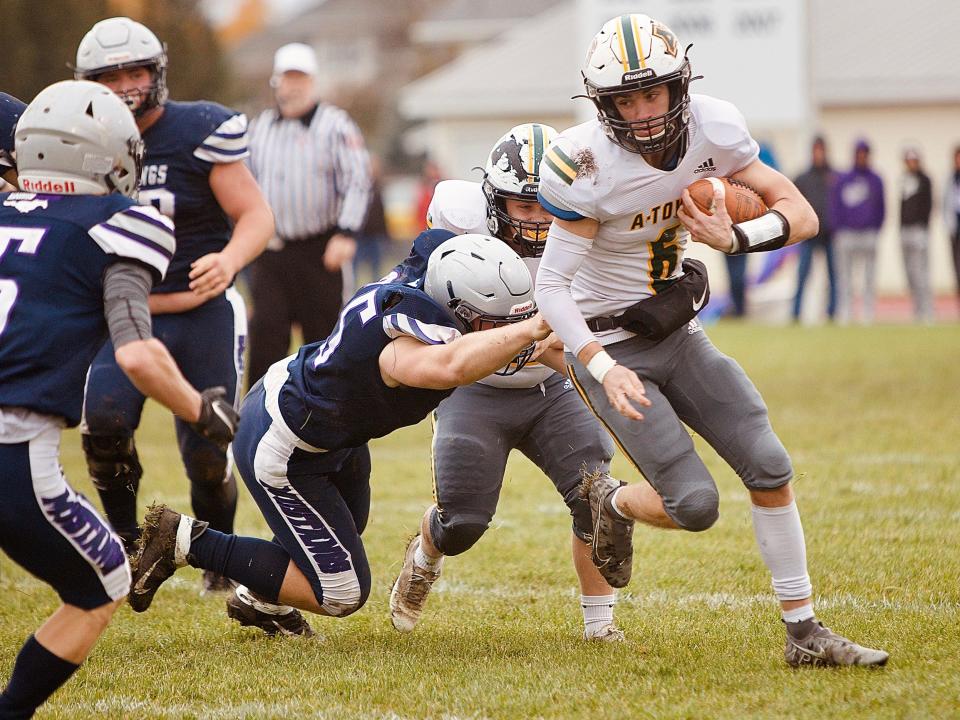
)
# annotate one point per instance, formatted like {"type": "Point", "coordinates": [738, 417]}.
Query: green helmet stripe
{"type": "Point", "coordinates": [629, 42]}
{"type": "Point", "coordinates": [537, 149]}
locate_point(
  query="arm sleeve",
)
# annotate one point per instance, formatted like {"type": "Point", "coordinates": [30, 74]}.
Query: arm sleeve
{"type": "Point", "coordinates": [352, 167]}
{"type": "Point", "coordinates": [562, 258]}
{"type": "Point", "coordinates": [126, 287]}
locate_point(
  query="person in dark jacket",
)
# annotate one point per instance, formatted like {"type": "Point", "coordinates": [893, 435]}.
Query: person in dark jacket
{"type": "Point", "coordinates": [916, 202]}
{"type": "Point", "coordinates": [857, 210]}
{"type": "Point", "coordinates": [816, 185]}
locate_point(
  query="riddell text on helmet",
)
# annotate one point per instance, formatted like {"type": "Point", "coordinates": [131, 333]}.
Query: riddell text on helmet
{"type": "Point", "coordinates": [51, 186]}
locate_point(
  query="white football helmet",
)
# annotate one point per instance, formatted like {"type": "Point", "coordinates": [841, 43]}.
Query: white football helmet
{"type": "Point", "coordinates": [635, 52]}
{"type": "Point", "coordinates": [120, 42]}
{"type": "Point", "coordinates": [483, 284]}
{"type": "Point", "coordinates": [513, 171]}
{"type": "Point", "coordinates": [78, 138]}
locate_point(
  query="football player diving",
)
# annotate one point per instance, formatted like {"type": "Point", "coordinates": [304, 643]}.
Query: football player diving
{"type": "Point", "coordinates": [395, 353]}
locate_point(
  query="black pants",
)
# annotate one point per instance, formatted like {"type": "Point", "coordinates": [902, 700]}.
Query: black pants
{"type": "Point", "coordinates": [290, 286]}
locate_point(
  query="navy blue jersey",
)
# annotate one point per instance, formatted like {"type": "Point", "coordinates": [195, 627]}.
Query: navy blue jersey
{"type": "Point", "coordinates": [335, 397]}
{"type": "Point", "coordinates": [181, 149]}
{"type": "Point", "coordinates": [53, 251]}
{"type": "Point", "coordinates": [414, 266]}
{"type": "Point", "coordinates": [10, 111]}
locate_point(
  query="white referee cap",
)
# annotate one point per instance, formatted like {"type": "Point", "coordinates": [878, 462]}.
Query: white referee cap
{"type": "Point", "coordinates": [295, 57]}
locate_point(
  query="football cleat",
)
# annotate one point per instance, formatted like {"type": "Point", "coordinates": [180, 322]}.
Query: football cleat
{"type": "Point", "coordinates": [410, 590]}
{"type": "Point", "coordinates": [611, 544]}
{"type": "Point", "coordinates": [214, 583]}
{"type": "Point", "coordinates": [609, 633]}
{"type": "Point", "coordinates": [250, 611]}
{"type": "Point", "coordinates": [825, 648]}
{"type": "Point", "coordinates": [163, 549]}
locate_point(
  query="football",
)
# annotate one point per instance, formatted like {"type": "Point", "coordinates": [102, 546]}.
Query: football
{"type": "Point", "coordinates": [742, 201]}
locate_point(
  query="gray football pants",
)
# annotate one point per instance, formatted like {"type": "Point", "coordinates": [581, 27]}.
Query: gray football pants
{"type": "Point", "coordinates": [689, 381]}
{"type": "Point", "coordinates": [474, 431]}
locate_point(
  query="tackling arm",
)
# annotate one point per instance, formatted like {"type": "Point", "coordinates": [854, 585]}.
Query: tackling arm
{"type": "Point", "coordinates": [471, 357]}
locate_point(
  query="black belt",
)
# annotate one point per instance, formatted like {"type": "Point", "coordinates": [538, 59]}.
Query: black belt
{"type": "Point", "coordinates": [602, 324]}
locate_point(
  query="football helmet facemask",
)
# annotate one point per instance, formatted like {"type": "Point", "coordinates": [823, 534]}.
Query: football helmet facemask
{"type": "Point", "coordinates": [482, 284]}
{"type": "Point", "coordinates": [118, 43]}
{"type": "Point", "coordinates": [78, 138]}
{"type": "Point", "coordinates": [631, 53]}
{"type": "Point", "coordinates": [513, 172]}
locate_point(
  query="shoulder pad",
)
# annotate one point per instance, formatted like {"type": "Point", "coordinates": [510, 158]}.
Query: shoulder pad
{"type": "Point", "coordinates": [566, 179]}
{"type": "Point", "coordinates": [458, 206]}
{"type": "Point", "coordinates": [138, 232]}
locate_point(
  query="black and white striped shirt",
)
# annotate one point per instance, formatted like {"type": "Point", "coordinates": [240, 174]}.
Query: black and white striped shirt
{"type": "Point", "coordinates": [314, 171]}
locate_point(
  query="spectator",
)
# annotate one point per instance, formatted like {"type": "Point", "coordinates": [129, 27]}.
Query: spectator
{"type": "Point", "coordinates": [857, 209]}
{"type": "Point", "coordinates": [951, 211]}
{"type": "Point", "coordinates": [375, 235]}
{"type": "Point", "coordinates": [311, 162]}
{"type": "Point", "coordinates": [816, 185]}
{"type": "Point", "coordinates": [916, 202]}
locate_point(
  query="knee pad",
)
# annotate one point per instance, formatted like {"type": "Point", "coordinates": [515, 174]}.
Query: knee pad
{"type": "Point", "coordinates": [457, 534]}
{"type": "Point", "coordinates": [112, 461]}
{"type": "Point", "coordinates": [698, 510]}
{"type": "Point", "coordinates": [344, 596]}
{"type": "Point", "coordinates": [580, 512]}
{"type": "Point", "coordinates": [206, 465]}
{"type": "Point", "coordinates": [770, 464]}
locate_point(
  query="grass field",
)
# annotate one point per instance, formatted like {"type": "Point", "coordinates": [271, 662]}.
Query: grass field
{"type": "Point", "coordinates": [871, 418]}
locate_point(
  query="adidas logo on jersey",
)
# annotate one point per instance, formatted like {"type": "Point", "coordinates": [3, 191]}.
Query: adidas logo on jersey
{"type": "Point", "coordinates": [706, 166]}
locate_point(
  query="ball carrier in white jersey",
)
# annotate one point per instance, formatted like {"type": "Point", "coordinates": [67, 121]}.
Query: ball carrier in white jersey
{"type": "Point", "coordinates": [535, 409]}
{"type": "Point", "coordinates": [617, 186]}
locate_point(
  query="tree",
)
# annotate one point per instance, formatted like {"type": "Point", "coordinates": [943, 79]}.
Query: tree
{"type": "Point", "coordinates": [43, 39]}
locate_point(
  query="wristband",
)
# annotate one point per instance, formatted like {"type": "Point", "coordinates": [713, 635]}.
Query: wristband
{"type": "Point", "coordinates": [600, 365]}
{"type": "Point", "coordinates": [770, 231]}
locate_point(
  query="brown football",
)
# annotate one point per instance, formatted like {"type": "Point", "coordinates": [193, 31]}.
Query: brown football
{"type": "Point", "coordinates": [742, 201]}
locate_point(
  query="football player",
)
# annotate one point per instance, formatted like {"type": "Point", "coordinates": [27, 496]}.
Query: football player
{"type": "Point", "coordinates": [10, 111]}
{"type": "Point", "coordinates": [193, 173]}
{"type": "Point", "coordinates": [533, 409]}
{"type": "Point", "coordinates": [77, 259]}
{"type": "Point", "coordinates": [617, 187]}
{"type": "Point", "coordinates": [395, 353]}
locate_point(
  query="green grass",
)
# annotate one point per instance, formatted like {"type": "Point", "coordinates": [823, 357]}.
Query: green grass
{"type": "Point", "coordinates": [871, 418]}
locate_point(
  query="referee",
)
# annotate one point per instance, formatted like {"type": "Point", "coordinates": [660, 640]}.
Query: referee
{"type": "Point", "coordinates": [312, 165]}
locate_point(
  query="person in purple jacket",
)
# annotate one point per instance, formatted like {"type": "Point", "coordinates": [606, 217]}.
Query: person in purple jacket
{"type": "Point", "coordinates": [857, 209]}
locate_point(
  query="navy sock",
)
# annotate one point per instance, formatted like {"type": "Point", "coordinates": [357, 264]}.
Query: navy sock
{"type": "Point", "coordinates": [37, 674]}
{"type": "Point", "coordinates": [256, 563]}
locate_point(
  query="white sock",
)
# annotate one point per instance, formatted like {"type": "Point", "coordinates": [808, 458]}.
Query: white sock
{"type": "Point", "coordinates": [804, 612]}
{"type": "Point", "coordinates": [613, 503]}
{"type": "Point", "coordinates": [782, 547]}
{"type": "Point", "coordinates": [421, 559]}
{"type": "Point", "coordinates": [597, 612]}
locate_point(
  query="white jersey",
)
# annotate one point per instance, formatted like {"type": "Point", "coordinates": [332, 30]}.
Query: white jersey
{"type": "Point", "coordinates": [640, 243]}
{"type": "Point", "coordinates": [461, 207]}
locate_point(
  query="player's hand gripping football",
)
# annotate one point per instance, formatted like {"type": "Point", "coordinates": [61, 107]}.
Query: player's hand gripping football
{"type": "Point", "coordinates": [712, 229]}
{"type": "Point", "coordinates": [218, 420]}
{"type": "Point", "coordinates": [624, 391]}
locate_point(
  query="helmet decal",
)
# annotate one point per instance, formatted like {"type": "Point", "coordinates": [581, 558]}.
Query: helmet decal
{"type": "Point", "coordinates": [512, 172]}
